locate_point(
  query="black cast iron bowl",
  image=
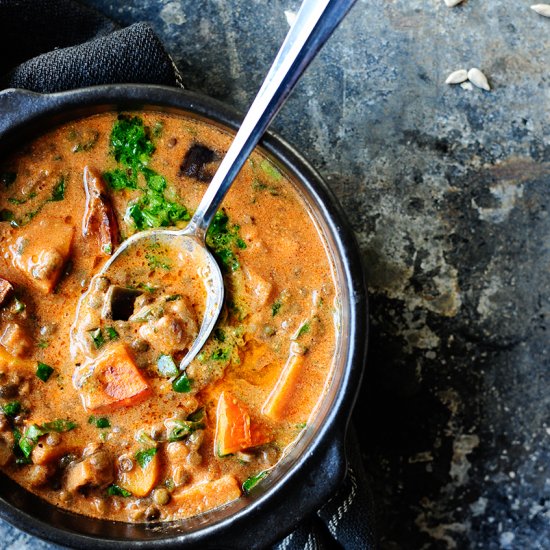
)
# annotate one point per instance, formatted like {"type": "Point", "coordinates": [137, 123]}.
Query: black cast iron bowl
{"type": "Point", "coordinates": [310, 474]}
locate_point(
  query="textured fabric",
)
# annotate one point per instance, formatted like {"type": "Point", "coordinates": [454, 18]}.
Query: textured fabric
{"type": "Point", "coordinates": [55, 45]}
{"type": "Point", "coordinates": [347, 520]}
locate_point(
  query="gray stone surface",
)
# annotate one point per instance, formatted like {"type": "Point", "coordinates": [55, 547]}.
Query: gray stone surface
{"type": "Point", "coordinates": [447, 189]}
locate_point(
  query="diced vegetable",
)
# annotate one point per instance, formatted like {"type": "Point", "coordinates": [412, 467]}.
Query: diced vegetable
{"type": "Point", "coordinates": [42, 250]}
{"type": "Point", "coordinates": [16, 340]}
{"type": "Point", "coordinates": [44, 371]}
{"type": "Point", "coordinates": [47, 454]}
{"type": "Point", "coordinates": [114, 382]}
{"type": "Point", "coordinates": [94, 470]}
{"type": "Point", "coordinates": [206, 496]}
{"type": "Point", "coordinates": [233, 427]}
{"type": "Point", "coordinates": [29, 438]}
{"type": "Point", "coordinates": [119, 303]}
{"type": "Point", "coordinates": [6, 291]}
{"type": "Point", "coordinates": [142, 479]}
{"type": "Point", "coordinates": [99, 216]}
{"type": "Point", "coordinates": [276, 404]}
{"type": "Point", "coordinates": [195, 161]}
{"type": "Point", "coordinates": [166, 366]}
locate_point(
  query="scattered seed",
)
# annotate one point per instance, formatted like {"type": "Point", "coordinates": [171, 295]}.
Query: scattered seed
{"type": "Point", "coordinates": [477, 78]}
{"type": "Point", "coordinates": [452, 3]}
{"type": "Point", "coordinates": [542, 9]}
{"type": "Point", "coordinates": [467, 86]}
{"type": "Point", "coordinates": [456, 77]}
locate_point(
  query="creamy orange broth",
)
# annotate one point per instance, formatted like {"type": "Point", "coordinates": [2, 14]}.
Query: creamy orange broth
{"type": "Point", "coordinates": [110, 432]}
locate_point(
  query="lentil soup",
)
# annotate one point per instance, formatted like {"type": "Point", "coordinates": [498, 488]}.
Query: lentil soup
{"type": "Point", "coordinates": [95, 415]}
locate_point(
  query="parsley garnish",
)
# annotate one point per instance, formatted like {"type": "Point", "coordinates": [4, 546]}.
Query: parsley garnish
{"type": "Point", "coordinates": [143, 458]}
{"type": "Point", "coordinates": [44, 371]}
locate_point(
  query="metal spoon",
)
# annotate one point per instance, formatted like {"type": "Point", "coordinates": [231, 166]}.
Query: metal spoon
{"type": "Point", "coordinates": [314, 23]}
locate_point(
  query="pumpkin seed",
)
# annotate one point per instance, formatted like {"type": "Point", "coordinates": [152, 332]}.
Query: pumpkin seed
{"type": "Point", "coordinates": [456, 77]}
{"type": "Point", "coordinates": [542, 9]}
{"type": "Point", "coordinates": [477, 78]}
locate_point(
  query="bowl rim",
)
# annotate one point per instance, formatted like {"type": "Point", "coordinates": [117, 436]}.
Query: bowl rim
{"type": "Point", "coordinates": [26, 111]}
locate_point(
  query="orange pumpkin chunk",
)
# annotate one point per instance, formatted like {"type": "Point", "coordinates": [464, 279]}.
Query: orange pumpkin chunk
{"type": "Point", "coordinates": [281, 395]}
{"type": "Point", "coordinates": [206, 496]}
{"type": "Point", "coordinates": [233, 427]}
{"type": "Point", "coordinates": [140, 481]}
{"type": "Point", "coordinates": [115, 382]}
{"type": "Point", "coordinates": [41, 251]}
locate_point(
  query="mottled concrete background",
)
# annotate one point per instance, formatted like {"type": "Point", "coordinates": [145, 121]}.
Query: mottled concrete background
{"type": "Point", "coordinates": [448, 190]}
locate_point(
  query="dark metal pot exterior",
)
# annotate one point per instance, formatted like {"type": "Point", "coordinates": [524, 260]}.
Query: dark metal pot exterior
{"type": "Point", "coordinates": [311, 479]}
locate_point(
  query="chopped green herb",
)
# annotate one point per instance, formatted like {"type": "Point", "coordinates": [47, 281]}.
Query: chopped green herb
{"type": "Point", "coordinates": [223, 239]}
{"type": "Point", "coordinates": [252, 481]}
{"type": "Point", "coordinates": [19, 306]}
{"type": "Point", "coordinates": [143, 458]}
{"type": "Point", "coordinates": [112, 334]}
{"type": "Point", "coordinates": [219, 335]}
{"type": "Point", "coordinates": [108, 248]}
{"type": "Point", "coordinates": [257, 185]}
{"type": "Point", "coordinates": [116, 491]}
{"type": "Point", "coordinates": [277, 304]}
{"type": "Point", "coordinates": [26, 445]}
{"type": "Point", "coordinates": [157, 128]}
{"type": "Point", "coordinates": [13, 408]}
{"type": "Point", "coordinates": [97, 337]}
{"type": "Point", "coordinates": [304, 329]}
{"type": "Point", "coordinates": [166, 366]}
{"type": "Point", "coordinates": [182, 384]}
{"type": "Point", "coordinates": [43, 371]}
{"type": "Point", "coordinates": [7, 216]}
{"type": "Point", "coordinates": [155, 262]}
{"type": "Point", "coordinates": [59, 426]}
{"type": "Point", "coordinates": [269, 170]}
{"type": "Point", "coordinates": [196, 416]}
{"type": "Point", "coordinates": [118, 179]}
{"type": "Point", "coordinates": [169, 484]}
{"type": "Point", "coordinates": [130, 142]}
{"type": "Point", "coordinates": [27, 441]}
{"type": "Point", "coordinates": [43, 344]}
{"type": "Point", "coordinates": [87, 143]}
{"type": "Point", "coordinates": [183, 428]}
{"type": "Point", "coordinates": [58, 193]}
{"type": "Point", "coordinates": [14, 200]}
{"type": "Point", "coordinates": [173, 298]}
{"type": "Point", "coordinates": [221, 355]}
{"type": "Point", "coordinates": [301, 425]}
{"type": "Point", "coordinates": [101, 422]}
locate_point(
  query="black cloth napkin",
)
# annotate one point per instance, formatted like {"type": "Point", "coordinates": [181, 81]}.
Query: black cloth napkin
{"type": "Point", "coordinates": [55, 45]}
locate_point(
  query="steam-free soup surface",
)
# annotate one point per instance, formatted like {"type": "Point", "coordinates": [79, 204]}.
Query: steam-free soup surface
{"type": "Point", "coordinates": [96, 416]}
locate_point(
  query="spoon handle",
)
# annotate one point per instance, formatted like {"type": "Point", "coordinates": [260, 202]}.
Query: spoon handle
{"type": "Point", "coordinates": [314, 23]}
